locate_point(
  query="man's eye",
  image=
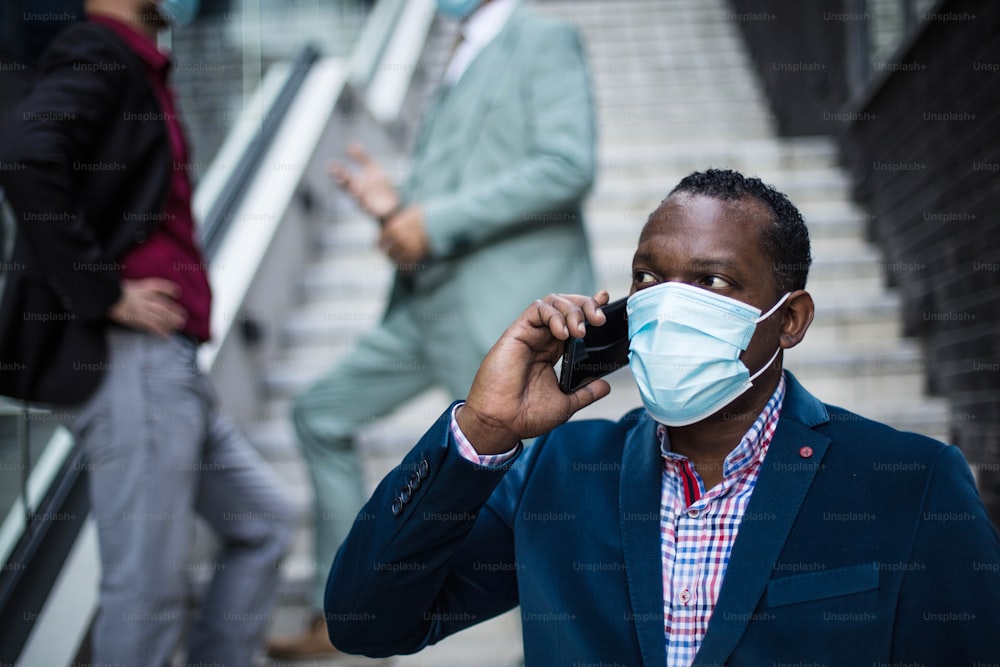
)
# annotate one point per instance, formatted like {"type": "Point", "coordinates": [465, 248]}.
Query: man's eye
{"type": "Point", "coordinates": [715, 282]}
{"type": "Point", "coordinates": [643, 278]}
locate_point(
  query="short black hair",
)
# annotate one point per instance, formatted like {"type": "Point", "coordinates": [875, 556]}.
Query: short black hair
{"type": "Point", "coordinates": [786, 241]}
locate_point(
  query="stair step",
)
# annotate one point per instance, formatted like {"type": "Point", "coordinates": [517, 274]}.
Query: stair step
{"type": "Point", "coordinates": [800, 185]}
{"type": "Point", "coordinates": [749, 155]}
{"type": "Point", "coordinates": [862, 324]}
{"type": "Point", "coordinates": [362, 275]}
{"type": "Point", "coordinates": [357, 235]}
{"type": "Point", "coordinates": [854, 377]}
{"type": "Point", "coordinates": [643, 130]}
{"type": "Point", "coordinates": [340, 319]}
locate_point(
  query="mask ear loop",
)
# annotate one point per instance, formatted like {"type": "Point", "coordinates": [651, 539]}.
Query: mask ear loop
{"type": "Point", "coordinates": [765, 366]}
{"type": "Point", "coordinates": [761, 319]}
{"type": "Point", "coordinates": [773, 308]}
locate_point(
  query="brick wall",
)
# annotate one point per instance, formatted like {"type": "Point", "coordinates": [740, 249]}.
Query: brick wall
{"type": "Point", "coordinates": [921, 140]}
{"type": "Point", "coordinates": [797, 50]}
{"type": "Point", "coordinates": [925, 159]}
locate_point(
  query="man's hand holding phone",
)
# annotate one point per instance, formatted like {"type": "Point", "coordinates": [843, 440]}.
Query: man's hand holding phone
{"type": "Point", "coordinates": [601, 351]}
{"type": "Point", "coordinates": [516, 394]}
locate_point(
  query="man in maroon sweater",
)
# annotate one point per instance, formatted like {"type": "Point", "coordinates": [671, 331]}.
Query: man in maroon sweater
{"type": "Point", "coordinates": [104, 315]}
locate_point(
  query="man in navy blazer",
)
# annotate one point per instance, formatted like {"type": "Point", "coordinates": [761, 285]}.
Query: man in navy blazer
{"type": "Point", "coordinates": [774, 529]}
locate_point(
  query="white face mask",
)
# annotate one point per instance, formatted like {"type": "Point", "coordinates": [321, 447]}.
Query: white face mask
{"type": "Point", "coordinates": [179, 12]}
{"type": "Point", "coordinates": [684, 350]}
{"type": "Point", "coordinates": [457, 9]}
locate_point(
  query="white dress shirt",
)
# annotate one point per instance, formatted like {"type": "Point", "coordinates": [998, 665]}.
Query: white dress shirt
{"type": "Point", "coordinates": [477, 31]}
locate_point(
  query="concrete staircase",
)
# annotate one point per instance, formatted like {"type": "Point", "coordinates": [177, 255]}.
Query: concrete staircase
{"type": "Point", "coordinates": [675, 94]}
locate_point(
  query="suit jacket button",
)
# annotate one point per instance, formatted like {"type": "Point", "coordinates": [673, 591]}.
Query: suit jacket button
{"type": "Point", "coordinates": [424, 469]}
{"type": "Point", "coordinates": [415, 482]}
{"type": "Point", "coordinates": [397, 506]}
{"type": "Point", "coordinates": [406, 494]}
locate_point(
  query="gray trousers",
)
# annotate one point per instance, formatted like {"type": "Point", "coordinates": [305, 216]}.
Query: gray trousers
{"type": "Point", "coordinates": [158, 452]}
{"type": "Point", "coordinates": [403, 356]}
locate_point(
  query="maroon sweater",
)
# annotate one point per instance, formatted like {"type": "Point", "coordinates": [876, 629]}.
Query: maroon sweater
{"type": "Point", "coordinates": [171, 251]}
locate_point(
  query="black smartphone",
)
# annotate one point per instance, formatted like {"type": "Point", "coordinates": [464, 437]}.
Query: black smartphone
{"type": "Point", "coordinates": [602, 350]}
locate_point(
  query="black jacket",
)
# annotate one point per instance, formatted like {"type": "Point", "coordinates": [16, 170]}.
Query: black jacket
{"type": "Point", "coordinates": [85, 163]}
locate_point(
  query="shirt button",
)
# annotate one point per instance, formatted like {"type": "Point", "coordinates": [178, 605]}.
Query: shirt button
{"type": "Point", "coordinates": [685, 596]}
{"type": "Point", "coordinates": [694, 514]}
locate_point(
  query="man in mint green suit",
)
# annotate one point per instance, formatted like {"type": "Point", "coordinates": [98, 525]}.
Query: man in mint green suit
{"type": "Point", "coordinates": [489, 219]}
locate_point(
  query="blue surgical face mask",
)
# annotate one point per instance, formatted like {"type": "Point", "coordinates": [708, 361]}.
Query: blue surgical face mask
{"type": "Point", "coordinates": [684, 350]}
{"type": "Point", "coordinates": [457, 9]}
{"type": "Point", "coordinates": [178, 12]}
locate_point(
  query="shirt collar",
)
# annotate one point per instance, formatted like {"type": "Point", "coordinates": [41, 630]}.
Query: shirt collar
{"type": "Point", "coordinates": [141, 45]}
{"type": "Point", "coordinates": [753, 445]}
{"type": "Point", "coordinates": [486, 22]}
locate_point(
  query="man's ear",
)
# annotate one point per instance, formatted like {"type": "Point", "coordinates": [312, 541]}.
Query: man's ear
{"type": "Point", "coordinates": [799, 311]}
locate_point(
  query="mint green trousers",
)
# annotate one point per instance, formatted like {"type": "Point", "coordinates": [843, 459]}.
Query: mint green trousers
{"type": "Point", "coordinates": [414, 348]}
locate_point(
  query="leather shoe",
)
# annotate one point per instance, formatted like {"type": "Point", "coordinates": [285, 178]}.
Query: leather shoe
{"type": "Point", "coordinates": [310, 644]}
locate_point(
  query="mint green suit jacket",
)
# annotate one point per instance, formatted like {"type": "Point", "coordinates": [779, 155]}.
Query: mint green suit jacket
{"type": "Point", "coordinates": [501, 166]}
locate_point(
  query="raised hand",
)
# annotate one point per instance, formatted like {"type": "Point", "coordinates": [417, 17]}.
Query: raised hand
{"type": "Point", "coordinates": [516, 394]}
{"type": "Point", "coordinates": [369, 184]}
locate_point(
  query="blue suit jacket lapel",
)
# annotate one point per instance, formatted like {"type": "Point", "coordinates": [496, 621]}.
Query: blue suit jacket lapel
{"type": "Point", "coordinates": [785, 478]}
{"type": "Point", "coordinates": [639, 518]}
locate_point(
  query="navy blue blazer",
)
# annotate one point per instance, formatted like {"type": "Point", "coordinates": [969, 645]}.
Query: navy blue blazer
{"type": "Point", "coordinates": [875, 549]}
